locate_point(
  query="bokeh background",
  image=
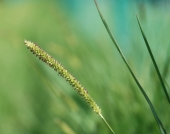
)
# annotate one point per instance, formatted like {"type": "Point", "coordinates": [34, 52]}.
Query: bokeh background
{"type": "Point", "coordinates": [34, 99]}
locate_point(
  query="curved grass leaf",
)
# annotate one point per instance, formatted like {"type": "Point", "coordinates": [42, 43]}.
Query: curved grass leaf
{"type": "Point", "coordinates": [166, 66]}
{"type": "Point", "coordinates": [160, 125]}
{"type": "Point", "coordinates": [167, 84]}
{"type": "Point", "coordinates": [154, 62]}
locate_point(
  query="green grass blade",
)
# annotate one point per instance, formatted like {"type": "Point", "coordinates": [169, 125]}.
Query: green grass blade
{"type": "Point", "coordinates": [166, 66]}
{"type": "Point", "coordinates": [154, 62]}
{"type": "Point", "coordinates": [167, 84]}
{"type": "Point", "coordinates": [106, 123]}
{"type": "Point", "coordinates": [161, 127]}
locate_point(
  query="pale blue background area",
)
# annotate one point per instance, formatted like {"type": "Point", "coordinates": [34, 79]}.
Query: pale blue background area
{"type": "Point", "coordinates": [118, 13]}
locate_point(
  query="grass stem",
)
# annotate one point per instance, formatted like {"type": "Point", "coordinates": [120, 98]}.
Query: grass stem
{"type": "Point", "coordinates": [160, 125]}
{"type": "Point", "coordinates": [106, 123]}
{"type": "Point", "coordinates": [49, 60]}
{"type": "Point", "coordinates": [154, 62]}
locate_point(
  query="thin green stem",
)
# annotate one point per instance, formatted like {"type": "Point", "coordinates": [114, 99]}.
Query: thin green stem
{"type": "Point", "coordinates": [160, 125]}
{"type": "Point", "coordinates": [49, 60]}
{"type": "Point", "coordinates": [167, 84]}
{"type": "Point", "coordinates": [154, 61]}
{"type": "Point", "coordinates": [106, 123]}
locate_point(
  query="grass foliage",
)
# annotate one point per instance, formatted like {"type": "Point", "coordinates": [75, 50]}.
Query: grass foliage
{"type": "Point", "coordinates": [35, 100]}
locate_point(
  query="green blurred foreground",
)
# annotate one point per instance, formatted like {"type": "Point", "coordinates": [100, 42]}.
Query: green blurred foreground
{"type": "Point", "coordinates": [35, 100]}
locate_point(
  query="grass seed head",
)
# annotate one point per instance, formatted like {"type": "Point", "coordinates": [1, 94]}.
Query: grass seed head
{"type": "Point", "coordinates": [49, 60]}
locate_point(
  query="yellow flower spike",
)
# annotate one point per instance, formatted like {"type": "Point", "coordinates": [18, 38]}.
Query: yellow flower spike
{"type": "Point", "coordinates": [49, 60]}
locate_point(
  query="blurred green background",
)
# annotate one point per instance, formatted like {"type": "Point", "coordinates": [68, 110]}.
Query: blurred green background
{"type": "Point", "coordinates": [34, 99]}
